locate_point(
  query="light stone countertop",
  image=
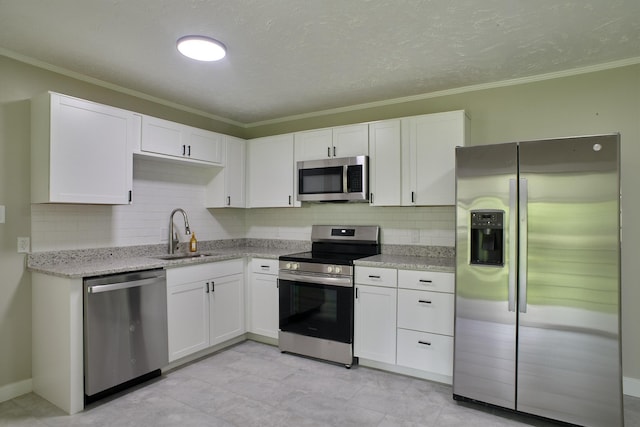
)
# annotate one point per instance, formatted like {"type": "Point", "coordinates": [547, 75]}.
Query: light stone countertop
{"type": "Point", "coordinates": [102, 261]}
{"type": "Point", "coordinates": [96, 262]}
{"type": "Point", "coordinates": [408, 262]}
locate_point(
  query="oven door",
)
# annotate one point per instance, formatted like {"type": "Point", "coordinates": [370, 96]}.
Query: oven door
{"type": "Point", "coordinates": [316, 306]}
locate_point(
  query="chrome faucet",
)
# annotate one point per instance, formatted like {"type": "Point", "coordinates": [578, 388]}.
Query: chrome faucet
{"type": "Point", "coordinates": [173, 236]}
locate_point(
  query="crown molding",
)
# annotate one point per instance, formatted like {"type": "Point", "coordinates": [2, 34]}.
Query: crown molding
{"type": "Point", "coordinates": [350, 108]}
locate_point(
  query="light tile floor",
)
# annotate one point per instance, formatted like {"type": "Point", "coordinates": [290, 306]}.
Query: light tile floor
{"type": "Point", "coordinates": [253, 384]}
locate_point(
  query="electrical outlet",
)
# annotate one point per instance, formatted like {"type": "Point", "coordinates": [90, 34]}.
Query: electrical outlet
{"type": "Point", "coordinates": [23, 245]}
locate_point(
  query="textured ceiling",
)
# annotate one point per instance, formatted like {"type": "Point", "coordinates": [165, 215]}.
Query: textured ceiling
{"type": "Point", "coordinates": [289, 57]}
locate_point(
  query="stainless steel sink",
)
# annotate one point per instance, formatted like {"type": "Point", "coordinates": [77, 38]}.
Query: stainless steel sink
{"type": "Point", "coordinates": [182, 256]}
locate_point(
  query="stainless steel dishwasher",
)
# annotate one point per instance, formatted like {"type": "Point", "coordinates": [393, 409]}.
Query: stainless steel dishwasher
{"type": "Point", "coordinates": [125, 330]}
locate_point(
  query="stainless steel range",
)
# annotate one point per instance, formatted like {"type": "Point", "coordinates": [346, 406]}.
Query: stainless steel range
{"type": "Point", "coordinates": [316, 292]}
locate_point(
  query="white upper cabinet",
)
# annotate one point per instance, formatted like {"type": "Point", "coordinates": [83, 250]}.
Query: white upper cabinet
{"type": "Point", "coordinates": [270, 170]}
{"type": "Point", "coordinates": [384, 163]}
{"type": "Point", "coordinates": [163, 138]}
{"type": "Point", "coordinates": [81, 151]}
{"type": "Point", "coordinates": [227, 187]}
{"type": "Point", "coordinates": [343, 141]}
{"type": "Point", "coordinates": [428, 157]}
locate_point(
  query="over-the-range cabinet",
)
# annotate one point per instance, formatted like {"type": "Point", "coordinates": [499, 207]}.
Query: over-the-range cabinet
{"type": "Point", "coordinates": [538, 278]}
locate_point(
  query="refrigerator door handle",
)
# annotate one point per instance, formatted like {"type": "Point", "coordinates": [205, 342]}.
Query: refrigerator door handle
{"type": "Point", "coordinates": [523, 232]}
{"type": "Point", "coordinates": [513, 243]}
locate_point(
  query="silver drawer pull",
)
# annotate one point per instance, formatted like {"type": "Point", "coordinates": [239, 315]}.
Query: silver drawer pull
{"type": "Point", "coordinates": [373, 277]}
{"type": "Point", "coordinates": [425, 281]}
{"type": "Point", "coordinates": [264, 266]}
{"type": "Point", "coordinates": [424, 342]}
{"type": "Point", "coordinates": [424, 301]}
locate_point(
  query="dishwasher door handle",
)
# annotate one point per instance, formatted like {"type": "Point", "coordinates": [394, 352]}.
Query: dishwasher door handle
{"type": "Point", "coordinates": [122, 285]}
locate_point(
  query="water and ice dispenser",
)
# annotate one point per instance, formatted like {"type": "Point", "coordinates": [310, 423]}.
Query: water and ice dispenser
{"type": "Point", "coordinates": [487, 237]}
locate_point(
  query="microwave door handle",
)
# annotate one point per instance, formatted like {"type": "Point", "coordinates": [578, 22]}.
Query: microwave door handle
{"type": "Point", "coordinates": [345, 179]}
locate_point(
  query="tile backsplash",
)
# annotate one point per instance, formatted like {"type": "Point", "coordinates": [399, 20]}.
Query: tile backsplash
{"type": "Point", "coordinates": [158, 189]}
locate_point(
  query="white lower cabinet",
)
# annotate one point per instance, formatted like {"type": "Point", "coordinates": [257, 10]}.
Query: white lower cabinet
{"type": "Point", "coordinates": [425, 351]}
{"type": "Point", "coordinates": [425, 322]}
{"type": "Point", "coordinates": [263, 297]}
{"type": "Point", "coordinates": [205, 306]}
{"type": "Point", "coordinates": [374, 335]}
{"type": "Point", "coordinates": [404, 320]}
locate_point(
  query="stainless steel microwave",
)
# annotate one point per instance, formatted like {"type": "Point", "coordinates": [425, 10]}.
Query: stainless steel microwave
{"type": "Point", "coordinates": [343, 179]}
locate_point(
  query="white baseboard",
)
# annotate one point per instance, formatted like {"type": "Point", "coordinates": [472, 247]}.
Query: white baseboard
{"type": "Point", "coordinates": [9, 391]}
{"type": "Point", "coordinates": [631, 386]}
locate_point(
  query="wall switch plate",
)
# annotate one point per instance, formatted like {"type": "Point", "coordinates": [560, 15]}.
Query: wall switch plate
{"type": "Point", "coordinates": [1, 214]}
{"type": "Point", "coordinates": [23, 245]}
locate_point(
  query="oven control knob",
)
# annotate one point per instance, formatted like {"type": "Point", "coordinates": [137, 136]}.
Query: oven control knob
{"type": "Point", "coordinates": [338, 269]}
{"type": "Point", "coordinates": [295, 266]}
{"type": "Point", "coordinates": [288, 266]}
{"type": "Point", "coordinates": [330, 269]}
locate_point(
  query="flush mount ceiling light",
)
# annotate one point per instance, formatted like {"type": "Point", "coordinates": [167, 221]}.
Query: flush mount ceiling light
{"type": "Point", "coordinates": [201, 48]}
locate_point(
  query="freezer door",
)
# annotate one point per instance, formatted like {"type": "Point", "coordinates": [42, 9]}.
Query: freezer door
{"type": "Point", "coordinates": [485, 327]}
{"type": "Point", "coordinates": [569, 363]}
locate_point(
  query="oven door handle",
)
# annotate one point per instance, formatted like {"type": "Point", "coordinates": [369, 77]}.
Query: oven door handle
{"type": "Point", "coordinates": [346, 282]}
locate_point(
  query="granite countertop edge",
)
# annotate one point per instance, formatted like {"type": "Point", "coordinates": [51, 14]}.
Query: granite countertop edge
{"type": "Point", "coordinates": [82, 263]}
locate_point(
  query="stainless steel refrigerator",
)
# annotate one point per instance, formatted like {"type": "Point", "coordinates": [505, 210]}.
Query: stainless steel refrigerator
{"type": "Point", "coordinates": [538, 278]}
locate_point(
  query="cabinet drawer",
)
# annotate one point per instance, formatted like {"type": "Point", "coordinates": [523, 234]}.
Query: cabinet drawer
{"type": "Point", "coordinates": [426, 280]}
{"type": "Point", "coordinates": [377, 276]}
{"type": "Point", "coordinates": [264, 266]}
{"type": "Point", "coordinates": [206, 271]}
{"type": "Point", "coordinates": [425, 311]}
{"type": "Point", "coordinates": [427, 352]}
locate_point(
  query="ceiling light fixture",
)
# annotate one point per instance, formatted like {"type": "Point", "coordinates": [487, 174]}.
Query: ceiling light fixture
{"type": "Point", "coordinates": [201, 48]}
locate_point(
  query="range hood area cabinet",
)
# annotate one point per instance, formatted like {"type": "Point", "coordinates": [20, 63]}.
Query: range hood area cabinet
{"type": "Point", "coordinates": [271, 172]}
{"type": "Point", "coordinates": [81, 151]}
{"type": "Point", "coordinates": [412, 159]}
{"type": "Point", "coordinates": [227, 187]}
{"type": "Point", "coordinates": [342, 141]}
{"type": "Point", "coordinates": [170, 140]}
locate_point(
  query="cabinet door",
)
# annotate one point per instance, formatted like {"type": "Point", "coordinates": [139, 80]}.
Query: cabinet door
{"type": "Point", "coordinates": [187, 319]}
{"type": "Point", "coordinates": [263, 305]}
{"type": "Point", "coordinates": [205, 145]}
{"type": "Point", "coordinates": [374, 334]}
{"type": "Point", "coordinates": [226, 308]}
{"type": "Point", "coordinates": [428, 162]}
{"type": "Point", "coordinates": [177, 140]}
{"type": "Point", "coordinates": [163, 137]}
{"type": "Point", "coordinates": [313, 144]}
{"type": "Point", "coordinates": [384, 163]}
{"type": "Point", "coordinates": [82, 152]}
{"type": "Point", "coordinates": [271, 172]}
{"type": "Point", "coordinates": [349, 141]}
{"type": "Point", "coordinates": [234, 172]}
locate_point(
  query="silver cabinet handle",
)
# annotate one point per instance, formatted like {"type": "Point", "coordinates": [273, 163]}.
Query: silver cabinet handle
{"type": "Point", "coordinates": [213, 286]}
{"type": "Point", "coordinates": [513, 242]}
{"type": "Point", "coordinates": [328, 151]}
{"type": "Point", "coordinates": [424, 301]}
{"type": "Point", "coordinates": [184, 150]}
{"type": "Point", "coordinates": [289, 200]}
{"type": "Point", "coordinates": [228, 200]}
{"type": "Point", "coordinates": [426, 281]}
{"type": "Point", "coordinates": [189, 151]}
{"type": "Point", "coordinates": [373, 277]}
{"type": "Point", "coordinates": [424, 342]}
{"type": "Point", "coordinates": [207, 285]}
{"type": "Point", "coordinates": [523, 233]}
{"type": "Point", "coordinates": [413, 197]}
{"type": "Point", "coordinates": [334, 151]}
